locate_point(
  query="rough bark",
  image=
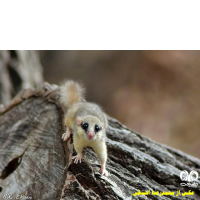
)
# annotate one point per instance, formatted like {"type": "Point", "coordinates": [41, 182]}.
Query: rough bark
{"type": "Point", "coordinates": [34, 158]}
{"type": "Point", "coordinates": [18, 70]}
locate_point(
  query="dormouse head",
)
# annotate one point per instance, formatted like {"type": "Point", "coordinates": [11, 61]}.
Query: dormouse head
{"type": "Point", "coordinates": [89, 126]}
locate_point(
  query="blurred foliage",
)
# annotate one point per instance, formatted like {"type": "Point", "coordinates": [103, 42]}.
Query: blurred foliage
{"type": "Point", "coordinates": [155, 93]}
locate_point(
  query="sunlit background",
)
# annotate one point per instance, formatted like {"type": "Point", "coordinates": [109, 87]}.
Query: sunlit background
{"type": "Point", "coordinates": [155, 93]}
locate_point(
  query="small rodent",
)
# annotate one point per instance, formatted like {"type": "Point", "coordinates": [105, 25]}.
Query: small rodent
{"type": "Point", "coordinates": [86, 121]}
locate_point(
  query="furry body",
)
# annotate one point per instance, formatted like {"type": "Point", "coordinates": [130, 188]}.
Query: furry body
{"type": "Point", "coordinates": [86, 121]}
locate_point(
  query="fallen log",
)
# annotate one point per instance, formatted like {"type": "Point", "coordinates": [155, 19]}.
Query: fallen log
{"type": "Point", "coordinates": [36, 164]}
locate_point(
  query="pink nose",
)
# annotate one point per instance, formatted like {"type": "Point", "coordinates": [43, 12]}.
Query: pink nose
{"type": "Point", "coordinates": [90, 135]}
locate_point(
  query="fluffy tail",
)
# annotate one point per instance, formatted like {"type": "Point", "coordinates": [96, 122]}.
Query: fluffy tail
{"type": "Point", "coordinates": [70, 93]}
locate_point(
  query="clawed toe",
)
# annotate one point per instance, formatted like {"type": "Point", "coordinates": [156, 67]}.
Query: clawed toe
{"type": "Point", "coordinates": [65, 136]}
{"type": "Point", "coordinates": [77, 159]}
{"type": "Point", "coordinates": [104, 172]}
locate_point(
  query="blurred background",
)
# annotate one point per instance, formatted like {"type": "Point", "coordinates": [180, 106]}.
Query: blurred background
{"type": "Point", "coordinates": [155, 93]}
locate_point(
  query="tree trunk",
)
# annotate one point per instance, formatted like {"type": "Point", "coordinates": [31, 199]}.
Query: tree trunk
{"type": "Point", "coordinates": [18, 70]}
{"type": "Point", "coordinates": [36, 163]}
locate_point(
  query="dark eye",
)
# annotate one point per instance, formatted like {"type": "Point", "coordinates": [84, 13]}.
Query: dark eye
{"type": "Point", "coordinates": [96, 128]}
{"type": "Point", "coordinates": [85, 126]}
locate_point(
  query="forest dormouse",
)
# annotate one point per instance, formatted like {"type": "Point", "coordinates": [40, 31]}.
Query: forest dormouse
{"type": "Point", "coordinates": [86, 121]}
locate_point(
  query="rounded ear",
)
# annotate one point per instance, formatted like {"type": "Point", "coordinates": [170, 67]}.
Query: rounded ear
{"type": "Point", "coordinates": [79, 121]}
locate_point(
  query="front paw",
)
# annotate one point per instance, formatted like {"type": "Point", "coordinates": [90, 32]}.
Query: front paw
{"type": "Point", "coordinates": [103, 171]}
{"type": "Point", "coordinates": [66, 136]}
{"type": "Point", "coordinates": [77, 158]}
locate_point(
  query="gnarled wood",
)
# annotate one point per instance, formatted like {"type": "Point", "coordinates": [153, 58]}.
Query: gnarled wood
{"type": "Point", "coordinates": [18, 70]}
{"type": "Point", "coordinates": [34, 158]}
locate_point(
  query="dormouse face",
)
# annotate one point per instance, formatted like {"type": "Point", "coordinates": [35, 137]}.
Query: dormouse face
{"type": "Point", "coordinates": [90, 127]}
